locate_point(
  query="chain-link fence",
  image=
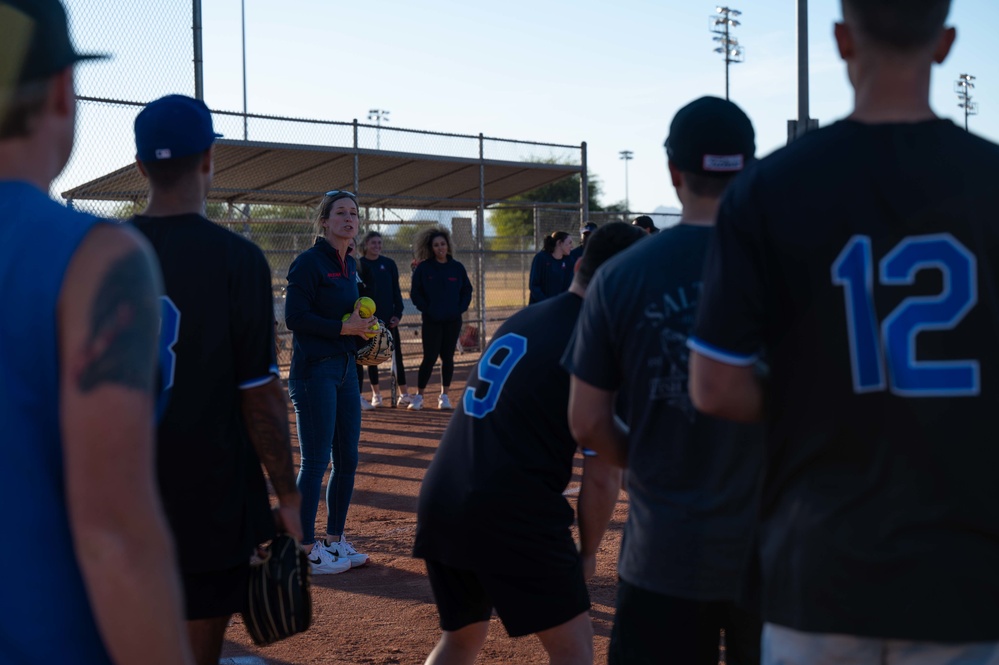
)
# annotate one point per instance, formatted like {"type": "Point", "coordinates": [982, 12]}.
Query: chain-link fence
{"type": "Point", "coordinates": [270, 172]}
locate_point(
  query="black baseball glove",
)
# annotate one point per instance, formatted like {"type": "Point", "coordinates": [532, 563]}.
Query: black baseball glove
{"type": "Point", "coordinates": [279, 597]}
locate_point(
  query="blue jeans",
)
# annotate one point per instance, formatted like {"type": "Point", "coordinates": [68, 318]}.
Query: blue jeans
{"type": "Point", "coordinates": [328, 418]}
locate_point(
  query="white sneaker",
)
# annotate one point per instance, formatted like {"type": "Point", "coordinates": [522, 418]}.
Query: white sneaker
{"type": "Point", "coordinates": [415, 403]}
{"type": "Point", "coordinates": [443, 403]}
{"type": "Point", "coordinates": [376, 400]}
{"type": "Point", "coordinates": [344, 551]}
{"type": "Point", "coordinates": [405, 399]}
{"type": "Point", "coordinates": [365, 404]}
{"type": "Point", "coordinates": [324, 562]}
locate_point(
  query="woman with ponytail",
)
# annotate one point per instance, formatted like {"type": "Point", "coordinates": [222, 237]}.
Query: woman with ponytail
{"type": "Point", "coordinates": [551, 270]}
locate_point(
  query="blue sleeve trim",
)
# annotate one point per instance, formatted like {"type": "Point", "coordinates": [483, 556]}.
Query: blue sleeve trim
{"type": "Point", "coordinates": [721, 355]}
{"type": "Point", "coordinates": [264, 380]}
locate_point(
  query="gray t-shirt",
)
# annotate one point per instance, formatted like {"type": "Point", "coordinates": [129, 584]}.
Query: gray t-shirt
{"type": "Point", "coordinates": [693, 480]}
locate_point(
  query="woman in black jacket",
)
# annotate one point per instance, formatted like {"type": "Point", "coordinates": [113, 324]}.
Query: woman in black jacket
{"type": "Point", "coordinates": [551, 269]}
{"type": "Point", "coordinates": [442, 292]}
{"type": "Point", "coordinates": [383, 274]}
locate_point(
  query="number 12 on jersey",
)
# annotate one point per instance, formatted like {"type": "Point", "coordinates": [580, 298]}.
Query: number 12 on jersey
{"type": "Point", "coordinates": [894, 340]}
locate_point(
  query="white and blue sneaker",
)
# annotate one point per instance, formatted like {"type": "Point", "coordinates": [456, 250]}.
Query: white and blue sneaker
{"type": "Point", "coordinates": [443, 403]}
{"type": "Point", "coordinates": [344, 551]}
{"type": "Point", "coordinates": [416, 403]}
{"type": "Point", "coordinates": [324, 562]}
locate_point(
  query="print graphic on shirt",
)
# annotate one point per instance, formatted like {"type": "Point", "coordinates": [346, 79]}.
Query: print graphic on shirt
{"type": "Point", "coordinates": [894, 343]}
{"type": "Point", "coordinates": [494, 369]}
{"type": "Point", "coordinates": [672, 316]}
{"type": "Point", "coordinates": [169, 334]}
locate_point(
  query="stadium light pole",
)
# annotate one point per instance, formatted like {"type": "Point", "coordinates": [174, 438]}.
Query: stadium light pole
{"type": "Point", "coordinates": [963, 87]}
{"type": "Point", "coordinates": [379, 116]}
{"type": "Point", "coordinates": [627, 156]}
{"type": "Point", "coordinates": [246, 128]}
{"type": "Point", "coordinates": [721, 25]}
{"type": "Point", "coordinates": [804, 124]}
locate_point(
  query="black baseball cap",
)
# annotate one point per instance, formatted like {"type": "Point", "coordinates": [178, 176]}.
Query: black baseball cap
{"type": "Point", "coordinates": [588, 227]}
{"type": "Point", "coordinates": [35, 42]}
{"type": "Point", "coordinates": [645, 222]}
{"type": "Point", "coordinates": [173, 126]}
{"type": "Point", "coordinates": [711, 136]}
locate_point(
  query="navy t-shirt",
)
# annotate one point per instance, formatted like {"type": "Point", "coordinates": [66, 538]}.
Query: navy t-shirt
{"type": "Point", "coordinates": [219, 312]}
{"type": "Point", "coordinates": [493, 493]}
{"type": "Point", "coordinates": [862, 260]}
{"type": "Point", "coordinates": [693, 481]}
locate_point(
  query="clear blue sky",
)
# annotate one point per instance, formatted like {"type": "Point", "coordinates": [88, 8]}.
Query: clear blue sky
{"type": "Point", "coordinates": [565, 71]}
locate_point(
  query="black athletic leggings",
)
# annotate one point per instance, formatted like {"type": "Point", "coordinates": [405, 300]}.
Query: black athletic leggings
{"type": "Point", "coordinates": [439, 340]}
{"type": "Point", "coordinates": [400, 369]}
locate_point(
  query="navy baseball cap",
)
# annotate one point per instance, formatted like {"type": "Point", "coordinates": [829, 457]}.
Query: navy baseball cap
{"type": "Point", "coordinates": [645, 222]}
{"type": "Point", "coordinates": [173, 126]}
{"type": "Point", "coordinates": [35, 42]}
{"type": "Point", "coordinates": [588, 227]}
{"type": "Point", "coordinates": [711, 136]}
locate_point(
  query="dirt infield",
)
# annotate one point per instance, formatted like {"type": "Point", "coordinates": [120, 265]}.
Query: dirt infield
{"type": "Point", "coordinates": [384, 612]}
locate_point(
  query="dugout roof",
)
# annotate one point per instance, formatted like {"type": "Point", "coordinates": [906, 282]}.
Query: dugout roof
{"type": "Point", "coordinates": [279, 173]}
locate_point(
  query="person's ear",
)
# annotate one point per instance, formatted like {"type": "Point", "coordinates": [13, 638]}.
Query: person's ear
{"type": "Point", "coordinates": [944, 45]}
{"type": "Point", "coordinates": [845, 42]}
{"type": "Point", "coordinates": [206, 160]}
{"type": "Point", "coordinates": [675, 175]}
{"type": "Point", "coordinates": [141, 168]}
{"type": "Point", "coordinates": [62, 95]}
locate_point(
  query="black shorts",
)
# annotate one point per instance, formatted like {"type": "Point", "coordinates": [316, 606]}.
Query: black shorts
{"type": "Point", "coordinates": [216, 593]}
{"type": "Point", "coordinates": [525, 605]}
{"type": "Point", "coordinates": [650, 625]}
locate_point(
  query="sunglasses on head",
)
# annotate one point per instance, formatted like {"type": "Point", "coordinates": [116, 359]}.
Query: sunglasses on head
{"type": "Point", "coordinates": [338, 192]}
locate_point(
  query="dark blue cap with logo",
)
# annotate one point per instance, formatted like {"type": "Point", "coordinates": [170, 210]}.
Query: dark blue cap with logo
{"type": "Point", "coordinates": [34, 39]}
{"type": "Point", "coordinates": [711, 136]}
{"type": "Point", "coordinates": [171, 127]}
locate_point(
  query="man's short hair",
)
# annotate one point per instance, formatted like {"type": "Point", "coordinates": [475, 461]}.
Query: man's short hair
{"type": "Point", "coordinates": [165, 174]}
{"type": "Point", "coordinates": [604, 243]}
{"type": "Point", "coordinates": [899, 24]}
{"type": "Point", "coordinates": [707, 186]}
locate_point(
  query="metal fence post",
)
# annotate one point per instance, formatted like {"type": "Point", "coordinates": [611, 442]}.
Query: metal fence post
{"type": "Point", "coordinates": [357, 164]}
{"type": "Point", "coordinates": [480, 242]}
{"type": "Point", "coordinates": [199, 62]}
{"type": "Point", "coordinates": [584, 188]}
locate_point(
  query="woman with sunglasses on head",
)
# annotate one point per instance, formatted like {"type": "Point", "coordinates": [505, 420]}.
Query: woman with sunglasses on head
{"type": "Point", "coordinates": [551, 269]}
{"type": "Point", "coordinates": [442, 292]}
{"type": "Point", "coordinates": [383, 274]}
{"type": "Point", "coordinates": [322, 288]}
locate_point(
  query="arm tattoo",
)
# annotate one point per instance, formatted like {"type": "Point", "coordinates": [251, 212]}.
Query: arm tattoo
{"type": "Point", "coordinates": [266, 418]}
{"type": "Point", "coordinates": [124, 322]}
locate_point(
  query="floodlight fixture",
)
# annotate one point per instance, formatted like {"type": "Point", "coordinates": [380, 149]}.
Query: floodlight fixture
{"type": "Point", "coordinates": [963, 87]}
{"type": "Point", "coordinates": [627, 156]}
{"type": "Point", "coordinates": [379, 116]}
{"type": "Point", "coordinates": [721, 26]}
